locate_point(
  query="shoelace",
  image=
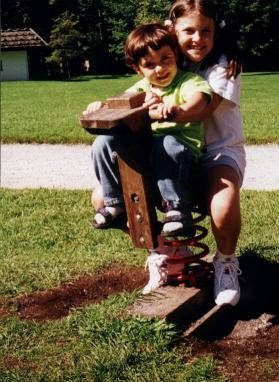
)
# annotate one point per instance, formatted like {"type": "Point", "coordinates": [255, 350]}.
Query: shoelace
{"type": "Point", "coordinates": [229, 269]}
{"type": "Point", "coordinates": [156, 266]}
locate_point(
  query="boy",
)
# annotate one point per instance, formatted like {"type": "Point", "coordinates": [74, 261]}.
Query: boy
{"type": "Point", "coordinates": [173, 97]}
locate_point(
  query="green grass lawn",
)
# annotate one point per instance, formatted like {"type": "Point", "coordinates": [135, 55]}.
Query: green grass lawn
{"type": "Point", "coordinates": [48, 111]}
{"type": "Point", "coordinates": [46, 240]}
{"type": "Point", "coordinates": [259, 105]}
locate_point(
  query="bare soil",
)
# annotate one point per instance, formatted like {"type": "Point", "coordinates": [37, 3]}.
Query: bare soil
{"type": "Point", "coordinates": [243, 338]}
{"type": "Point", "coordinates": [55, 303]}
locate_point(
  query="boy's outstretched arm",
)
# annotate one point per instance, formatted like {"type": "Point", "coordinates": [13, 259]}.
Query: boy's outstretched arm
{"type": "Point", "coordinates": [184, 113]}
{"type": "Point", "coordinates": [93, 107]}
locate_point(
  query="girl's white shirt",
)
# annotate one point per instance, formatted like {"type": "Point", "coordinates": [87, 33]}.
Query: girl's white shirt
{"type": "Point", "coordinates": [223, 129]}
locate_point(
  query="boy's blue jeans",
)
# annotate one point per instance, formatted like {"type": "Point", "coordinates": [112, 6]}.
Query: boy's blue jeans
{"type": "Point", "coordinates": [171, 163]}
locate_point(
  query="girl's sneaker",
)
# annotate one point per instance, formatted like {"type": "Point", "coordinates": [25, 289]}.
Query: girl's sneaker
{"type": "Point", "coordinates": [226, 284]}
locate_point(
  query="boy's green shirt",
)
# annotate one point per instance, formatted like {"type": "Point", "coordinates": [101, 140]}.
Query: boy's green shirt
{"type": "Point", "coordinates": [183, 86]}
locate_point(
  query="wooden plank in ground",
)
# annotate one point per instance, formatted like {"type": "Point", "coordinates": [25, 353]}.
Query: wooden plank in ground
{"type": "Point", "coordinates": [174, 303]}
{"type": "Point", "coordinates": [195, 326]}
{"type": "Point", "coordinates": [211, 322]}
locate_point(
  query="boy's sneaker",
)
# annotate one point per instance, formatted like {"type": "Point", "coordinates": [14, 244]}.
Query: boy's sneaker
{"type": "Point", "coordinates": [178, 223]}
{"type": "Point", "coordinates": [226, 285]}
{"type": "Point", "coordinates": [109, 217]}
{"type": "Point", "coordinates": [159, 267]}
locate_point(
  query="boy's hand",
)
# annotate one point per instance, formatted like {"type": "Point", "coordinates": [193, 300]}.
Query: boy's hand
{"type": "Point", "coordinates": [161, 111]}
{"type": "Point", "coordinates": [93, 107]}
{"type": "Point", "coordinates": [151, 99]}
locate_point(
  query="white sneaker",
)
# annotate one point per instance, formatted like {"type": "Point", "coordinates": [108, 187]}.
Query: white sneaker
{"type": "Point", "coordinates": [159, 267]}
{"type": "Point", "coordinates": [226, 285]}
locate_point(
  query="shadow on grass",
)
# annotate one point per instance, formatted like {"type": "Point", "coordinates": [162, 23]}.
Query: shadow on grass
{"type": "Point", "coordinates": [259, 296]}
{"type": "Point", "coordinates": [244, 338]}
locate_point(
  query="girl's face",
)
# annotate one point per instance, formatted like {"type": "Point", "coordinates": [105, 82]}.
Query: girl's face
{"type": "Point", "coordinates": [195, 34]}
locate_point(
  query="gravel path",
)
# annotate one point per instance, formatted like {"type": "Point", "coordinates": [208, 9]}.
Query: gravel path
{"type": "Point", "coordinates": [69, 166]}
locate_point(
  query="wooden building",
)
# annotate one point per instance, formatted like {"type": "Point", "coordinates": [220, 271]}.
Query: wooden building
{"type": "Point", "coordinates": [21, 53]}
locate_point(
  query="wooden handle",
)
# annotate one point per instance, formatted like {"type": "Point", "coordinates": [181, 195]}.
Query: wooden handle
{"type": "Point", "coordinates": [123, 110]}
{"type": "Point", "coordinates": [127, 100]}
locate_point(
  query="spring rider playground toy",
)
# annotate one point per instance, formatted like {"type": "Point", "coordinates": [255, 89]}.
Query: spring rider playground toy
{"type": "Point", "coordinates": [124, 115]}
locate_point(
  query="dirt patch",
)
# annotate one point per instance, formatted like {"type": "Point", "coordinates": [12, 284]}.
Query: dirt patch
{"type": "Point", "coordinates": [56, 303]}
{"type": "Point", "coordinates": [11, 363]}
{"type": "Point", "coordinates": [245, 338]}
{"type": "Point", "coordinates": [244, 360]}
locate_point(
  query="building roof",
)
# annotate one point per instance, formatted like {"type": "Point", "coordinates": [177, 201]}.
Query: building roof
{"type": "Point", "coordinates": [21, 38]}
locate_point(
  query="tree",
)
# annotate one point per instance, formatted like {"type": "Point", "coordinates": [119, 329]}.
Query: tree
{"type": "Point", "coordinates": [27, 14]}
{"type": "Point", "coordinates": [152, 11]}
{"type": "Point", "coordinates": [107, 23]}
{"type": "Point", "coordinates": [256, 23]}
{"type": "Point", "coordinates": [66, 41]}
{"type": "Point", "coordinates": [119, 19]}
{"type": "Point", "coordinates": [94, 27]}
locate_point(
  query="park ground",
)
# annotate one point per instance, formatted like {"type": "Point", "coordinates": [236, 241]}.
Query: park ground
{"type": "Point", "coordinates": [65, 288]}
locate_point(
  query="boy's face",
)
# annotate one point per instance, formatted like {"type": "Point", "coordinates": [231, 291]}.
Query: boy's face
{"type": "Point", "coordinates": [195, 34]}
{"type": "Point", "coordinates": [158, 66]}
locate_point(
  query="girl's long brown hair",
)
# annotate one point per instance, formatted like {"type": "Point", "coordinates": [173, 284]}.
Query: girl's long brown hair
{"type": "Point", "coordinates": [225, 38]}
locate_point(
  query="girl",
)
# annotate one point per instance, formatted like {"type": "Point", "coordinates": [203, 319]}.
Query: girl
{"type": "Point", "coordinates": [207, 50]}
{"type": "Point", "coordinates": [202, 40]}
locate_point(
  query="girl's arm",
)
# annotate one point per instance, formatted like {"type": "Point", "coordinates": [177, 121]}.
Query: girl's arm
{"type": "Point", "coordinates": [208, 110]}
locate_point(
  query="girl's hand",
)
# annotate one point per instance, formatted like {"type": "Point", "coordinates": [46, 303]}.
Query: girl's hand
{"type": "Point", "coordinates": [235, 67]}
{"type": "Point", "coordinates": [93, 107]}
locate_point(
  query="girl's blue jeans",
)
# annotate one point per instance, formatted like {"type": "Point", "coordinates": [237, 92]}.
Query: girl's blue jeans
{"type": "Point", "coordinates": [171, 163]}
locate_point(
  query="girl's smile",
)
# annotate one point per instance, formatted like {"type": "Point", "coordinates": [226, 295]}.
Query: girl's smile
{"type": "Point", "coordinates": [195, 34]}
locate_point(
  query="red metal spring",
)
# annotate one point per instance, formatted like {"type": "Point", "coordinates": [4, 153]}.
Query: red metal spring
{"type": "Point", "coordinates": [190, 274]}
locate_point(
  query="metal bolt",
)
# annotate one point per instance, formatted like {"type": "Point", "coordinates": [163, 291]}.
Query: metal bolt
{"type": "Point", "coordinates": [139, 218]}
{"type": "Point", "coordinates": [135, 198]}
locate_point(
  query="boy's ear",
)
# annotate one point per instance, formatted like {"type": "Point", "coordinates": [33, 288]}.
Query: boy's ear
{"type": "Point", "coordinates": [136, 69]}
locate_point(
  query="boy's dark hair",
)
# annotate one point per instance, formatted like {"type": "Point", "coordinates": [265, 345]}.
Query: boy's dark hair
{"type": "Point", "coordinates": [225, 37]}
{"type": "Point", "coordinates": [145, 36]}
